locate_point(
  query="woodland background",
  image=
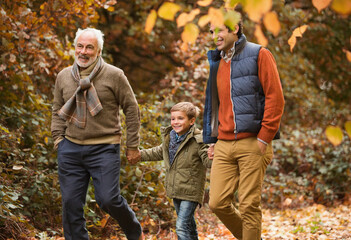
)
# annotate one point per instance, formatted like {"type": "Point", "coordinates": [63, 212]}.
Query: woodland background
{"type": "Point", "coordinates": [312, 158]}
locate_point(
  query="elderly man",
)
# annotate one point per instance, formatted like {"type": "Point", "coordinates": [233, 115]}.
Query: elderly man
{"type": "Point", "coordinates": [88, 142]}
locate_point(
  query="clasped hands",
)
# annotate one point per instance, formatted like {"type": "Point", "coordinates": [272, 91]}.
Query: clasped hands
{"type": "Point", "coordinates": [133, 156]}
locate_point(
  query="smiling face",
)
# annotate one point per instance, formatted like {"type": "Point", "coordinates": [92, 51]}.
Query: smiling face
{"type": "Point", "coordinates": [87, 49]}
{"type": "Point", "coordinates": [180, 122]}
{"type": "Point", "coordinates": [223, 38]}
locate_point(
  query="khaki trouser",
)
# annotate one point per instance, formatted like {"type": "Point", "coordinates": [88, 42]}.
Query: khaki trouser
{"type": "Point", "coordinates": [239, 166]}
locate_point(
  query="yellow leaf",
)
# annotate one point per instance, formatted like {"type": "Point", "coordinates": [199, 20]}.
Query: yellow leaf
{"type": "Point", "coordinates": [46, 140]}
{"type": "Point", "coordinates": [4, 129]}
{"type": "Point", "coordinates": [260, 36]}
{"type": "Point", "coordinates": [204, 20]}
{"type": "Point", "coordinates": [110, 9]}
{"type": "Point", "coordinates": [216, 16]}
{"type": "Point", "coordinates": [334, 135]}
{"type": "Point", "coordinates": [231, 19]}
{"type": "Point", "coordinates": [150, 21]}
{"type": "Point", "coordinates": [348, 128]}
{"type": "Point", "coordinates": [168, 10]}
{"type": "Point", "coordinates": [342, 6]}
{"type": "Point", "coordinates": [204, 3]}
{"type": "Point", "coordinates": [184, 18]}
{"type": "Point", "coordinates": [190, 33]}
{"type": "Point", "coordinates": [272, 23]}
{"type": "Point", "coordinates": [138, 172]}
{"type": "Point", "coordinates": [257, 8]}
{"type": "Point", "coordinates": [230, 4]}
{"type": "Point", "coordinates": [321, 4]}
{"type": "Point", "coordinates": [348, 54]}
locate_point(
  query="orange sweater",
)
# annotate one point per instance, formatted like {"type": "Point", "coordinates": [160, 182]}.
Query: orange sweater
{"type": "Point", "coordinates": [274, 99]}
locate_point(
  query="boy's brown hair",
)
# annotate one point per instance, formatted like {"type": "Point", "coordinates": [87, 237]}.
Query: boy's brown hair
{"type": "Point", "coordinates": [190, 109]}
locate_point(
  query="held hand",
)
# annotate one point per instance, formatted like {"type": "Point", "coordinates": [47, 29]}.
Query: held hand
{"type": "Point", "coordinates": [133, 156]}
{"type": "Point", "coordinates": [262, 147]}
{"type": "Point", "coordinates": [210, 151]}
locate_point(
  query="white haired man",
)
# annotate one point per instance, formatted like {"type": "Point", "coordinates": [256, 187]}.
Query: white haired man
{"type": "Point", "coordinates": [88, 142]}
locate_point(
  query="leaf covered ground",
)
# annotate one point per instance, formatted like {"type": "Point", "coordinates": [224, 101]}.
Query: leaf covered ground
{"type": "Point", "coordinates": [313, 222]}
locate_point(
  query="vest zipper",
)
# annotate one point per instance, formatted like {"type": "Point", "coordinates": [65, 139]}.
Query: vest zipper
{"type": "Point", "coordinates": [231, 98]}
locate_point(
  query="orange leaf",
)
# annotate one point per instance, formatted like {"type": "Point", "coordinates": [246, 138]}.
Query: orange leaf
{"type": "Point", "coordinates": [299, 31]}
{"type": "Point", "coordinates": [204, 3]}
{"type": "Point", "coordinates": [260, 36]}
{"type": "Point", "coordinates": [204, 20]}
{"type": "Point", "coordinates": [342, 6]}
{"type": "Point", "coordinates": [272, 23]}
{"type": "Point", "coordinates": [296, 33]}
{"type": "Point", "coordinates": [334, 135]}
{"type": "Point", "coordinates": [168, 10]}
{"type": "Point", "coordinates": [321, 4]}
{"type": "Point", "coordinates": [216, 15]}
{"type": "Point", "coordinates": [190, 33]}
{"type": "Point", "coordinates": [257, 8]}
{"type": "Point", "coordinates": [348, 54]}
{"type": "Point", "coordinates": [184, 47]}
{"type": "Point", "coordinates": [184, 18]}
{"type": "Point", "coordinates": [292, 42]}
{"type": "Point", "coordinates": [150, 21]}
{"type": "Point", "coordinates": [104, 220]}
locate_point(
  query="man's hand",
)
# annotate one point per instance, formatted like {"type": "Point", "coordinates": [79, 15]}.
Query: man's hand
{"type": "Point", "coordinates": [210, 151]}
{"type": "Point", "coordinates": [262, 147]}
{"type": "Point", "coordinates": [133, 156]}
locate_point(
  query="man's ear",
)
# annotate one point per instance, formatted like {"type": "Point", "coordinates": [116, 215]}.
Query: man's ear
{"type": "Point", "coordinates": [236, 28]}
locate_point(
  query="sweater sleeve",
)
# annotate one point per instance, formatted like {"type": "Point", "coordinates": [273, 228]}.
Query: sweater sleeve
{"type": "Point", "coordinates": [58, 125]}
{"type": "Point", "coordinates": [274, 99]}
{"type": "Point", "coordinates": [131, 111]}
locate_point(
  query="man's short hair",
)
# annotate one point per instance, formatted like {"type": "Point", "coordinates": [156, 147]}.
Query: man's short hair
{"type": "Point", "coordinates": [98, 34]}
{"type": "Point", "coordinates": [190, 109]}
{"type": "Point", "coordinates": [240, 30]}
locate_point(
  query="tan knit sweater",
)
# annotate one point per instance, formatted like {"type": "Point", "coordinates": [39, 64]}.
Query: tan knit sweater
{"type": "Point", "coordinates": [115, 93]}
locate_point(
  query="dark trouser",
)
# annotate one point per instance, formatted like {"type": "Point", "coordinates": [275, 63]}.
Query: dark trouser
{"type": "Point", "coordinates": [185, 225]}
{"type": "Point", "coordinates": [77, 163]}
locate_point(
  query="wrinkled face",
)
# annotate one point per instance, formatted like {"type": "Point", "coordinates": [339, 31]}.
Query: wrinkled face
{"type": "Point", "coordinates": [87, 49]}
{"type": "Point", "coordinates": [223, 39]}
{"type": "Point", "coordinates": [180, 122]}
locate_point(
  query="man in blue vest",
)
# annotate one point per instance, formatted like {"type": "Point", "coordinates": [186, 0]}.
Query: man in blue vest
{"type": "Point", "coordinates": [243, 108]}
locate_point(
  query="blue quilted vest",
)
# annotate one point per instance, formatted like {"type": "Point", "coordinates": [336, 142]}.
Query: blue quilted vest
{"type": "Point", "coordinates": [246, 91]}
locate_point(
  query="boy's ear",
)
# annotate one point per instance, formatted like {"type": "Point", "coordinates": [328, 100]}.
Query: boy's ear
{"type": "Point", "coordinates": [192, 121]}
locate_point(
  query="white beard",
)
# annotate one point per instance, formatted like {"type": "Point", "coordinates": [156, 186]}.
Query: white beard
{"type": "Point", "coordinates": [85, 65]}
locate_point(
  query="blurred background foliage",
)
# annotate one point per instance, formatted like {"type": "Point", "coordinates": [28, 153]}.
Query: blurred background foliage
{"type": "Point", "coordinates": [36, 43]}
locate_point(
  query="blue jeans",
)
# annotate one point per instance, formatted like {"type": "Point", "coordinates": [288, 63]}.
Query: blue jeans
{"type": "Point", "coordinates": [76, 164]}
{"type": "Point", "coordinates": [185, 225]}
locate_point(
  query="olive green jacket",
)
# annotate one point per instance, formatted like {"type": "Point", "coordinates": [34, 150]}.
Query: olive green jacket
{"type": "Point", "coordinates": [186, 177]}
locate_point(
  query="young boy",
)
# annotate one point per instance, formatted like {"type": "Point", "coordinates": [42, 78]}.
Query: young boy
{"type": "Point", "coordinates": [186, 160]}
